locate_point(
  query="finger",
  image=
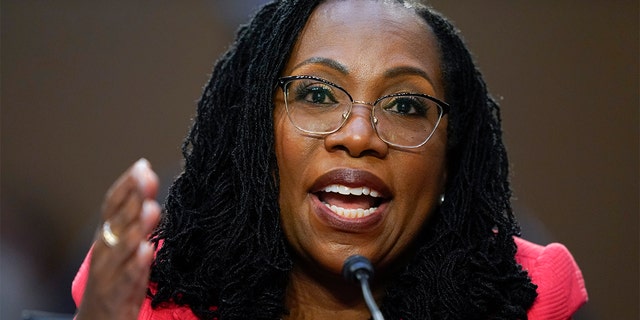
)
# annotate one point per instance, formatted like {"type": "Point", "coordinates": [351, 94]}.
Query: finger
{"type": "Point", "coordinates": [123, 205]}
{"type": "Point", "coordinates": [128, 213]}
{"type": "Point", "coordinates": [147, 179]}
{"type": "Point", "coordinates": [131, 283]}
{"type": "Point", "coordinates": [144, 222]}
{"type": "Point", "coordinates": [144, 258]}
{"type": "Point", "coordinates": [134, 234]}
{"type": "Point", "coordinates": [148, 186]}
{"type": "Point", "coordinates": [125, 227]}
{"type": "Point", "coordinates": [118, 193]}
{"type": "Point", "coordinates": [138, 178]}
{"type": "Point", "coordinates": [114, 260]}
{"type": "Point", "coordinates": [127, 224]}
{"type": "Point", "coordinates": [150, 216]}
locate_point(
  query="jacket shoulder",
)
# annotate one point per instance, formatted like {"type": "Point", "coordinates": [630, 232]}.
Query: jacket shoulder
{"type": "Point", "coordinates": [561, 289]}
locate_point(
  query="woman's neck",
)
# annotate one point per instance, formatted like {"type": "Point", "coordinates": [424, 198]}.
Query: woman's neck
{"type": "Point", "coordinates": [314, 294]}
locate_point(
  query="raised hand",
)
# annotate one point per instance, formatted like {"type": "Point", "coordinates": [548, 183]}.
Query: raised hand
{"type": "Point", "coordinates": [121, 256]}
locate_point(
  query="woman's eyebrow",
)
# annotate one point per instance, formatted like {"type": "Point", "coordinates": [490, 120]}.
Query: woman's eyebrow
{"type": "Point", "coordinates": [390, 73]}
{"type": "Point", "coordinates": [406, 70]}
{"type": "Point", "coordinates": [333, 64]}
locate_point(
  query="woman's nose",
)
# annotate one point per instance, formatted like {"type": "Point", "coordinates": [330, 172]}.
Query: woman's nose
{"type": "Point", "coordinates": [357, 136]}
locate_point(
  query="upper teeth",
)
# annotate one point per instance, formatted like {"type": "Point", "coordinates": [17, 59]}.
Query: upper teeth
{"type": "Point", "coordinates": [357, 191]}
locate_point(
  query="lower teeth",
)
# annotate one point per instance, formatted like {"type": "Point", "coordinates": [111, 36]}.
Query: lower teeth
{"type": "Point", "coordinates": [351, 213]}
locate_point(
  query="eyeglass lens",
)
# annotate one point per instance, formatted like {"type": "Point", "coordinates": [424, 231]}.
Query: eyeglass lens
{"type": "Point", "coordinates": [404, 120]}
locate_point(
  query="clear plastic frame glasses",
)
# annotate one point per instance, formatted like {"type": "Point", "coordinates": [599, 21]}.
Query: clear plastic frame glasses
{"type": "Point", "coordinates": [319, 107]}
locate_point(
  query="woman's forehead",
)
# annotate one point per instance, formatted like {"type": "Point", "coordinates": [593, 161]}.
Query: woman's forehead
{"type": "Point", "coordinates": [365, 36]}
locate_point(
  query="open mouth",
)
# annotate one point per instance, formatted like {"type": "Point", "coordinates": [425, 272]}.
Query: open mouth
{"type": "Point", "coordinates": [350, 202]}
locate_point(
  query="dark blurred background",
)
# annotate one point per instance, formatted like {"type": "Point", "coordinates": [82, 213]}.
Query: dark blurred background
{"type": "Point", "coordinates": [88, 87]}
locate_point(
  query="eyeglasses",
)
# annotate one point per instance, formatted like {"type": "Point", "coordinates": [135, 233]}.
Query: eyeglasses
{"type": "Point", "coordinates": [319, 107]}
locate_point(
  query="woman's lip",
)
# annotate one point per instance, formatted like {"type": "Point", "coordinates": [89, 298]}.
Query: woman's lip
{"type": "Point", "coordinates": [345, 224]}
{"type": "Point", "coordinates": [351, 178]}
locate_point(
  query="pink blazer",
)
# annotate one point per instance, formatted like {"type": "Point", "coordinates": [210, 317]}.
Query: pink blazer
{"type": "Point", "coordinates": [561, 289]}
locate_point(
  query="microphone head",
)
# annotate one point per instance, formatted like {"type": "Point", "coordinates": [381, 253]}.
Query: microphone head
{"type": "Point", "coordinates": [354, 265]}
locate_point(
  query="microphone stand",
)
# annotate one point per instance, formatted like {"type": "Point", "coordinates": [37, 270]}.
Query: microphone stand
{"type": "Point", "coordinates": [359, 268]}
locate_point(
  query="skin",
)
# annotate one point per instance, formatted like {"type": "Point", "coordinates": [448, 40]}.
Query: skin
{"type": "Point", "coordinates": [384, 48]}
{"type": "Point", "coordinates": [118, 276]}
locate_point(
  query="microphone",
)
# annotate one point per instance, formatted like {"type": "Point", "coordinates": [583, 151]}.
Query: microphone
{"type": "Point", "coordinates": [357, 268]}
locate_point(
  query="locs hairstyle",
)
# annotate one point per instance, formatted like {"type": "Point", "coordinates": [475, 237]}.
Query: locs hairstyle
{"type": "Point", "coordinates": [222, 251]}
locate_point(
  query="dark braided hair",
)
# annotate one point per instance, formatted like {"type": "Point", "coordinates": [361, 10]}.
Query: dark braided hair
{"type": "Point", "coordinates": [223, 252]}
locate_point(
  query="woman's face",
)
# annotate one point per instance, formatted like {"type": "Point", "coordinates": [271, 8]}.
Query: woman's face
{"type": "Point", "coordinates": [371, 49]}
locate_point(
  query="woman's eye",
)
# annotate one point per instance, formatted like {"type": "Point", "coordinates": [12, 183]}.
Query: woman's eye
{"type": "Point", "coordinates": [406, 106]}
{"type": "Point", "coordinates": [316, 95]}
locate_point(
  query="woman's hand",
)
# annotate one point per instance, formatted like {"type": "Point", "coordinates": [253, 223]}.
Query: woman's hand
{"type": "Point", "coordinates": [119, 271]}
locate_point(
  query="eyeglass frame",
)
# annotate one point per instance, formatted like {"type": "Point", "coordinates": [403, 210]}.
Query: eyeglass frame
{"type": "Point", "coordinates": [283, 81]}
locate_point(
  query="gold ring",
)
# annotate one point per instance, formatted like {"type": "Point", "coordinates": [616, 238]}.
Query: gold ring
{"type": "Point", "coordinates": [109, 238]}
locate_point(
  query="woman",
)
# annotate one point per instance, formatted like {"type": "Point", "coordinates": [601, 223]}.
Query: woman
{"type": "Point", "coordinates": [331, 128]}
